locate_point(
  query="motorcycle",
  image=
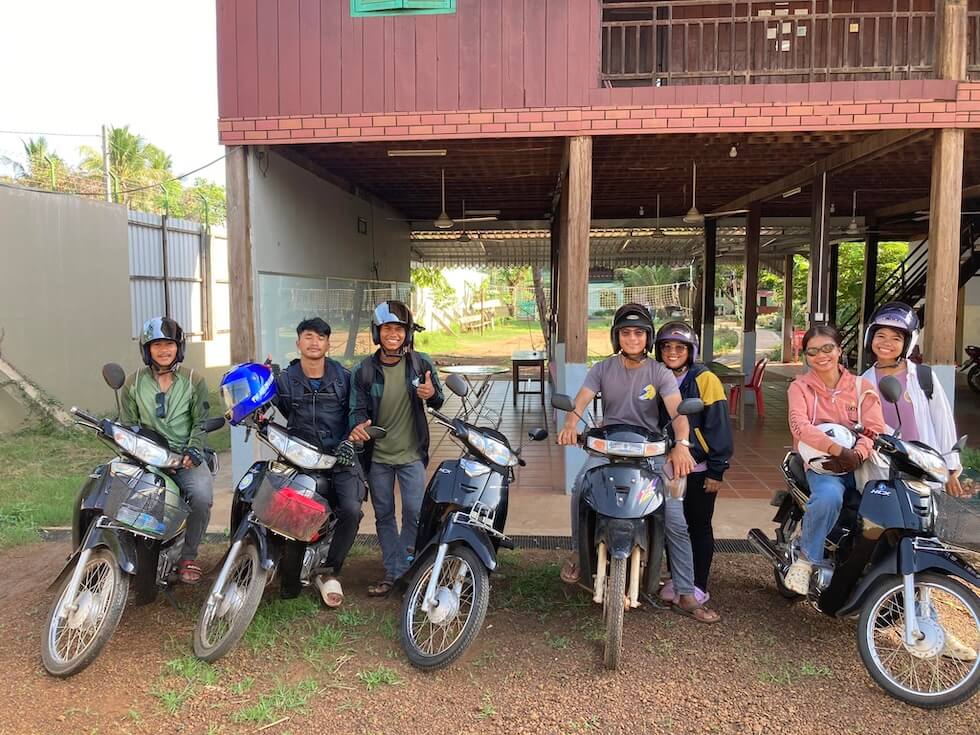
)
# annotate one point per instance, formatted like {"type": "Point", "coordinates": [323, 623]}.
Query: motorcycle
{"type": "Point", "coordinates": [886, 566]}
{"type": "Point", "coordinates": [973, 365]}
{"type": "Point", "coordinates": [276, 502]}
{"type": "Point", "coordinates": [621, 516]}
{"type": "Point", "coordinates": [128, 523]}
{"type": "Point", "coordinates": [461, 528]}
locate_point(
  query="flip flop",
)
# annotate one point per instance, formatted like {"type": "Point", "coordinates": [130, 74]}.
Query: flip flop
{"type": "Point", "coordinates": [189, 572]}
{"type": "Point", "coordinates": [700, 613]}
{"type": "Point", "coordinates": [570, 572]}
{"type": "Point", "coordinates": [381, 589]}
{"type": "Point", "coordinates": [330, 591]}
{"type": "Point", "coordinates": [667, 593]}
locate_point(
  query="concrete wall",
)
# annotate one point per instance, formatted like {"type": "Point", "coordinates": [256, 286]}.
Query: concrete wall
{"type": "Point", "coordinates": [65, 300]}
{"type": "Point", "coordinates": [304, 225]}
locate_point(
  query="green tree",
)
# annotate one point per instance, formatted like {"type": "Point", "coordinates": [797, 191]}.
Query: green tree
{"type": "Point", "coordinates": [651, 275]}
{"type": "Point", "coordinates": [434, 279]}
{"type": "Point", "coordinates": [133, 164]}
{"type": "Point", "coordinates": [42, 167]}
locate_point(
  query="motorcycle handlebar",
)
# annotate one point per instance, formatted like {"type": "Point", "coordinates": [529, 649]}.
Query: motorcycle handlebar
{"type": "Point", "coordinates": [76, 411]}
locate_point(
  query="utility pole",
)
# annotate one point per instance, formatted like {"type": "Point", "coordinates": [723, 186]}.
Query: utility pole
{"type": "Point", "coordinates": [105, 164]}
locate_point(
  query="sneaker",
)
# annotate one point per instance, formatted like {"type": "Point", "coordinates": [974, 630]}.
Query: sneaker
{"type": "Point", "coordinates": [797, 577]}
{"type": "Point", "coordinates": [956, 649]}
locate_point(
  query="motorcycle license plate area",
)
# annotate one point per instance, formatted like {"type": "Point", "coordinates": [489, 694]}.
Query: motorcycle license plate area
{"type": "Point", "coordinates": [144, 502]}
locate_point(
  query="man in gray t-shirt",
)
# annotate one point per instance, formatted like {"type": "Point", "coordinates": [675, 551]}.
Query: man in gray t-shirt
{"type": "Point", "coordinates": [630, 382]}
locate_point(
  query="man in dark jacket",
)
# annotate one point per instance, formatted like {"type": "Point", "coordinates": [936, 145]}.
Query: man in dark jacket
{"type": "Point", "coordinates": [313, 394]}
{"type": "Point", "coordinates": [391, 389]}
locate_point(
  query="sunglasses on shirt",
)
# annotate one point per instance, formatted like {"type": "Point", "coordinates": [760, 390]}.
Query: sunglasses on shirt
{"type": "Point", "coordinates": [161, 405]}
{"type": "Point", "coordinates": [826, 349]}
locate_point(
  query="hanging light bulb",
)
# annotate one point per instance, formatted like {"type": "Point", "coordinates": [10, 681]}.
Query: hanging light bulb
{"type": "Point", "coordinates": [733, 152]}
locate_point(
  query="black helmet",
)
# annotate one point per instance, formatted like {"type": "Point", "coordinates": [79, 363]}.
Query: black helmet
{"type": "Point", "coordinates": [631, 315]}
{"type": "Point", "coordinates": [898, 316]}
{"type": "Point", "coordinates": [157, 328]}
{"type": "Point", "coordinates": [677, 332]}
{"type": "Point", "coordinates": [393, 312]}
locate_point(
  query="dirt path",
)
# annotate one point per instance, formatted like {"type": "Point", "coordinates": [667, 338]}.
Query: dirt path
{"type": "Point", "coordinates": [536, 667]}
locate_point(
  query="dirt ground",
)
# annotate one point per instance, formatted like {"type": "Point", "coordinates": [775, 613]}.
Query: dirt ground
{"type": "Point", "coordinates": [769, 667]}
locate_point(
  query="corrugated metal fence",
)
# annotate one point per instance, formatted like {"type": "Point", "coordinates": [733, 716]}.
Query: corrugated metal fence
{"type": "Point", "coordinates": [179, 269]}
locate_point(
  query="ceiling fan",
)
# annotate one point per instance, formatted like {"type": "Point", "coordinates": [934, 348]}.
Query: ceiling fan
{"type": "Point", "coordinates": [693, 216]}
{"type": "Point", "coordinates": [445, 222]}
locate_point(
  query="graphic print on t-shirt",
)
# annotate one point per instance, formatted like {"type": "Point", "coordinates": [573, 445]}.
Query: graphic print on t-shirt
{"type": "Point", "coordinates": [649, 393]}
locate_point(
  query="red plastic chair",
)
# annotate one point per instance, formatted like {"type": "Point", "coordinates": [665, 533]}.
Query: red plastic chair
{"type": "Point", "coordinates": [755, 385]}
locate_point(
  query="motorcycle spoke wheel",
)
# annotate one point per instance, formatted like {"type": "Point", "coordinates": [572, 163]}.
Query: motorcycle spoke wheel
{"type": "Point", "coordinates": [943, 668]}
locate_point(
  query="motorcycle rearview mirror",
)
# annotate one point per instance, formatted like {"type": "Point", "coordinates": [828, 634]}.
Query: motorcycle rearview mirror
{"type": "Point", "coordinates": [213, 424]}
{"type": "Point", "coordinates": [960, 444]}
{"type": "Point", "coordinates": [690, 406]}
{"type": "Point", "coordinates": [113, 375]}
{"type": "Point", "coordinates": [458, 385]}
{"type": "Point", "coordinates": [890, 389]}
{"type": "Point", "coordinates": [538, 435]}
{"type": "Point", "coordinates": [376, 432]}
{"type": "Point", "coordinates": [562, 402]}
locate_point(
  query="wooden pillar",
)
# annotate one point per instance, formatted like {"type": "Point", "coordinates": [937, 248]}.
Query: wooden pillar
{"type": "Point", "coordinates": [819, 287]}
{"type": "Point", "coordinates": [750, 289]}
{"type": "Point", "coordinates": [945, 200]}
{"type": "Point", "coordinates": [834, 283]}
{"type": "Point", "coordinates": [787, 308]}
{"type": "Point", "coordinates": [708, 290]}
{"type": "Point", "coordinates": [241, 294]}
{"type": "Point", "coordinates": [576, 218]}
{"type": "Point", "coordinates": [695, 299]}
{"type": "Point", "coordinates": [942, 276]}
{"type": "Point", "coordinates": [868, 287]}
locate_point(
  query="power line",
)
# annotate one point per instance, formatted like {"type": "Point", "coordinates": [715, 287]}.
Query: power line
{"type": "Point", "coordinates": [52, 135]}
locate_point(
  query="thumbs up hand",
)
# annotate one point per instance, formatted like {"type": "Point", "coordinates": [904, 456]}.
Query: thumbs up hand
{"type": "Point", "coordinates": [426, 390]}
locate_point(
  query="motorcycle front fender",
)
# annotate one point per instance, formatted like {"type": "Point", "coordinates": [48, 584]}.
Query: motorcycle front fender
{"type": "Point", "coordinates": [452, 532]}
{"type": "Point", "coordinates": [621, 535]}
{"type": "Point", "coordinates": [122, 546]}
{"type": "Point", "coordinates": [260, 536]}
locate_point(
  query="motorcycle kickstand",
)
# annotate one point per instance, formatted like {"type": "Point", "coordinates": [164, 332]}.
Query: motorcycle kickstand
{"type": "Point", "coordinates": [169, 596]}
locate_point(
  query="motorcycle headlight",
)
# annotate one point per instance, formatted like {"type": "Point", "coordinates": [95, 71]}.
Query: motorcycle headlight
{"type": "Point", "coordinates": [497, 452]}
{"type": "Point", "coordinates": [932, 464]}
{"type": "Point", "coordinates": [298, 452]}
{"type": "Point", "coordinates": [626, 449]}
{"type": "Point", "coordinates": [143, 449]}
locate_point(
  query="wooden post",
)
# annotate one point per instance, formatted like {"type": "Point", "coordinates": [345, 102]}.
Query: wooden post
{"type": "Point", "coordinates": [944, 248]}
{"type": "Point", "coordinates": [750, 288]}
{"type": "Point", "coordinates": [834, 283]}
{"type": "Point", "coordinates": [788, 308]}
{"type": "Point", "coordinates": [819, 287]}
{"type": "Point", "coordinates": [868, 287]}
{"type": "Point", "coordinates": [708, 290]}
{"type": "Point", "coordinates": [952, 39]}
{"type": "Point", "coordinates": [694, 299]}
{"type": "Point", "coordinates": [241, 280]}
{"type": "Point", "coordinates": [574, 261]}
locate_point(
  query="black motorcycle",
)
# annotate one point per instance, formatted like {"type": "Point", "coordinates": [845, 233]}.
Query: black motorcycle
{"type": "Point", "coordinates": [972, 368]}
{"type": "Point", "coordinates": [461, 528]}
{"type": "Point", "coordinates": [918, 630]}
{"type": "Point", "coordinates": [621, 517]}
{"type": "Point", "coordinates": [276, 502]}
{"type": "Point", "coordinates": [128, 523]}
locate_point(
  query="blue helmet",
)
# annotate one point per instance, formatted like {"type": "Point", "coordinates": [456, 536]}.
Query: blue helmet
{"type": "Point", "coordinates": [246, 388]}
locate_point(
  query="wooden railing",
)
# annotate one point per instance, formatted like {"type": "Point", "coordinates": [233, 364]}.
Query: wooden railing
{"type": "Point", "coordinates": [748, 42]}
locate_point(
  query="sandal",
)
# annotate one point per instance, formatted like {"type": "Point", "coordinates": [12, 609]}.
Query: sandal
{"type": "Point", "coordinates": [189, 572]}
{"type": "Point", "coordinates": [570, 571]}
{"type": "Point", "coordinates": [381, 589]}
{"type": "Point", "coordinates": [330, 590]}
{"type": "Point", "coordinates": [700, 613]}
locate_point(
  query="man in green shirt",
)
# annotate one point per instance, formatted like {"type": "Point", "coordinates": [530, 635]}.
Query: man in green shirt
{"type": "Point", "coordinates": [173, 401]}
{"type": "Point", "coordinates": [391, 389]}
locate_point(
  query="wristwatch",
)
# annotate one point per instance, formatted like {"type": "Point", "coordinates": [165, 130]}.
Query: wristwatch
{"type": "Point", "coordinates": [685, 443]}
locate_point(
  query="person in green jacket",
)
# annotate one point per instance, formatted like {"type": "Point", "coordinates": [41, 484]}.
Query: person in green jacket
{"type": "Point", "coordinates": [173, 401]}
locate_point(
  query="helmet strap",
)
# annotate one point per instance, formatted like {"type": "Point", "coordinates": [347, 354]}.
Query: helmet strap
{"type": "Point", "coordinates": [635, 360]}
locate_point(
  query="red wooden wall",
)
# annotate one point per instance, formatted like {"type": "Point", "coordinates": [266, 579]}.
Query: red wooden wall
{"type": "Point", "coordinates": [308, 57]}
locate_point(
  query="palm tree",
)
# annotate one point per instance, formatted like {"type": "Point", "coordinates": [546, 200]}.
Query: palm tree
{"type": "Point", "coordinates": [133, 163]}
{"type": "Point", "coordinates": [42, 166]}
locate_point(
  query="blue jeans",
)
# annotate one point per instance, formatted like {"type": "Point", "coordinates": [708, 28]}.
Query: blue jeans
{"type": "Point", "coordinates": [395, 546]}
{"type": "Point", "coordinates": [822, 510]}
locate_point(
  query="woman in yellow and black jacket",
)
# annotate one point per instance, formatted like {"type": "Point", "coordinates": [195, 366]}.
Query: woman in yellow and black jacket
{"type": "Point", "coordinates": [676, 346]}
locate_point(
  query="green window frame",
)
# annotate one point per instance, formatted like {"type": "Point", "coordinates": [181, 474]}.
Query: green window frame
{"type": "Point", "coordinates": [373, 8]}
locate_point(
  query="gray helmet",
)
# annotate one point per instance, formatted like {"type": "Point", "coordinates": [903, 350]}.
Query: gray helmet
{"type": "Point", "coordinates": [393, 312]}
{"type": "Point", "coordinates": [158, 328]}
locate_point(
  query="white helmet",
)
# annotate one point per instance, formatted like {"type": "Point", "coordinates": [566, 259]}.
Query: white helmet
{"type": "Point", "coordinates": [814, 459]}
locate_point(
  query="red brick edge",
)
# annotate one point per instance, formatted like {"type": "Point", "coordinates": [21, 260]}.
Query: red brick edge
{"type": "Point", "coordinates": [953, 105]}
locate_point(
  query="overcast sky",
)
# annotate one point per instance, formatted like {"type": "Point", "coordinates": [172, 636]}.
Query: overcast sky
{"type": "Point", "coordinates": [67, 66]}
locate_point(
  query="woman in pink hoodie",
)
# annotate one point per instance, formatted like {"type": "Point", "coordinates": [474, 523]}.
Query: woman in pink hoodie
{"type": "Point", "coordinates": [828, 393]}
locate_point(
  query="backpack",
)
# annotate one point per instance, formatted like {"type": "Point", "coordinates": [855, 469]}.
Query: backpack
{"type": "Point", "coordinates": [924, 375]}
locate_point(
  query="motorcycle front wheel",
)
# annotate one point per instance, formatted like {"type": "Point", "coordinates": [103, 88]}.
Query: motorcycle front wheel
{"type": "Point", "coordinates": [943, 668]}
{"type": "Point", "coordinates": [227, 613]}
{"type": "Point", "coordinates": [613, 608]}
{"type": "Point", "coordinates": [436, 638]}
{"type": "Point", "coordinates": [76, 635]}
{"type": "Point", "coordinates": [973, 378]}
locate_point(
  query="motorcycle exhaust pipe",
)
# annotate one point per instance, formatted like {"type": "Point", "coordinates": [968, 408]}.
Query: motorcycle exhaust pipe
{"type": "Point", "coordinates": [600, 574]}
{"type": "Point", "coordinates": [762, 544]}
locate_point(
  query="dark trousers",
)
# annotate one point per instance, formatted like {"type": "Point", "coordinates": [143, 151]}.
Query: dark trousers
{"type": "Point", "coordinates": [699, 507]}
{"type": "Point", "coordinates": [345, 498]}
